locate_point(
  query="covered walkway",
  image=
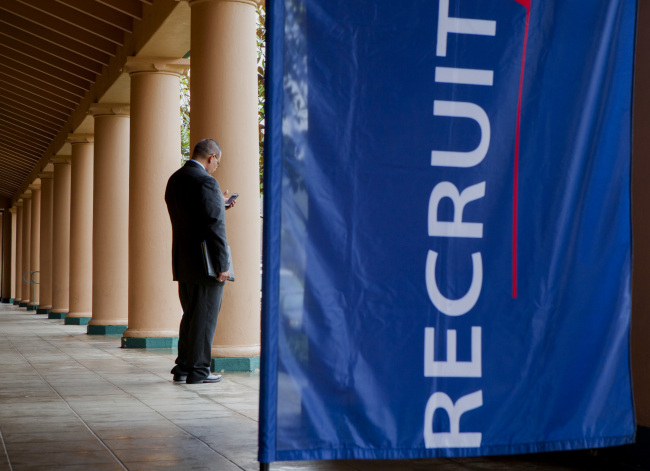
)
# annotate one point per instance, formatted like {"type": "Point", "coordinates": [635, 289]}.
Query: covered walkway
{"type": "Point", "coordinates": [72, 401]}
{"type": "Point", "coordinates": [69, 400]}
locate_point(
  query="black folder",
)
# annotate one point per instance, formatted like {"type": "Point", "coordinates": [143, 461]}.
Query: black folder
{"type": "Point", "coordinates": [209, 264]}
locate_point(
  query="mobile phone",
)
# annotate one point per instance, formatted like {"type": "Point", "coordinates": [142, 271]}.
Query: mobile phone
{"type": "Point", "coordinates": [231, 199]}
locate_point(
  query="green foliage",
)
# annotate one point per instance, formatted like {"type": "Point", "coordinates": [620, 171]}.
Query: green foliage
{"type": "Point", "coordinates": [261, 67]}
{"type": "Point", "coordinates": [185, 118]}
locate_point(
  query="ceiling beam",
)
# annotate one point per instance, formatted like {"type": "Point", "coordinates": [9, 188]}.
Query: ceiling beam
{"type": "Point", "coordinates": [19, 132]}
{"type": "Point", "coordinates": [23, 63]}
{"type": "Point", "coordinates": [17, 160]}
{"type": "Point", "coordinates": [49, 94]}
{"type": "Point", "coordinates": [35, 107]}
{"type": "Point", "coordinates": [78, 19]}
{"type": "Point", "coordinates": [10, 170]}
{"type": "Point", "coordinates": [102, 12]}
{"type": "Point", "coordinates": [14, 156]}
{"type": "Point", "coordinates": [43, 20]}
{"type": "Point", "coordinates": [25, 50]}
{"type": "Point", "coordinates": [12, 179]}
{"type": "Point", "coordinates": [133, 9]}
{"type": "Point", "coordinates": [7, 193]}
{"type": "Point", "coordinates": [36, 118]}
{"type": "Point", "coordinates": [33, 99]}
{"type": "Point", "coordinates": [56, 39]}
{"type": "Point", "coordinates": [55, 50]}
{"type": "Point", "coordinates": [21, 144]}
{"type": "Point", "coordinates": [13, 67]}
{"type": "Point", "coordinates": [20, 123]}
{"type": "Point", "coordinates": [12, 183]}
{"type": "Point", "coordinates": [29, 118]}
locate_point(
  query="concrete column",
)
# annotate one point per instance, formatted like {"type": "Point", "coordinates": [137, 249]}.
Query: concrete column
{"type": "Point", "coordinates": [14, 228]}
{"type": "Point", "coordinates": [19, 252]}
{"type": "Point", "coordinates": [61, 237]}
{"type": "Point", "coordinates": [154, 308]}
{"type": "Point", "coordinates": [35, 244]}
{"type": "Point", "coordinates": [47, 198]}
{"type": "Point", "coordinates": [224, 108]}
{"type": "Point", "coordinates": [81, 230]}
{"type": "Point", "coordinates": [110, 294]}
{"type": "Point", "coordinates": [25, 275]}
{"type": "Point", "coordinates": [7, 250]}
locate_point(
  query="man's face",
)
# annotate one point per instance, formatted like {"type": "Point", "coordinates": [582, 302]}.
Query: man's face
{"type": "Point", "coordinates": [213, 163]}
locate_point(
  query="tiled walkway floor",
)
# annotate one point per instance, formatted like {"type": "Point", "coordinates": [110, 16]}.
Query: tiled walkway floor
{"type": "Point", "coordinates": [71, 401]}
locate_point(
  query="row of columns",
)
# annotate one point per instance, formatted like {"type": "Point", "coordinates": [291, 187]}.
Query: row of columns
{"type": "Point", "coordinates": [95, 225]}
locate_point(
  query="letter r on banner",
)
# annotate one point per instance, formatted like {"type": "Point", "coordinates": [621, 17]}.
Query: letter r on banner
{"type": "Point", "coordinates": [454, 438]}
{"type": "Point", "coordinates": [455, 228]}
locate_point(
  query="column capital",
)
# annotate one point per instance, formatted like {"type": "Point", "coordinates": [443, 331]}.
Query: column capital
{"type": "Point", "coordinates": [61, 159]}
{"type": "Point", "coordinates": [35, 185]}
{"type": "Point", "coordinates": [162, 65]}
{"type": "Point", "coordinates": [80, 138]}
{"type": "Point", "coordinates": [46, 175]}
{"type": "Point", "coordinates": [110, 109]}
{"type": "Point", "coordinates": [19, 203]}
{"type": "Point", "coordinates": [26, 195]}
{"type": "Point", "coordinates": [13, 209]}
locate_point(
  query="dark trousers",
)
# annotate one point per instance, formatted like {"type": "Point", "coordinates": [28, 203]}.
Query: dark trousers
{"type": "Point", "coordinates": [201, 304]}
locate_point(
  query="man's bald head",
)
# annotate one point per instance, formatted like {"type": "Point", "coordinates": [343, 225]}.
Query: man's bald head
{"type": "Point", "coordinates": [208, 153]}
{"type": "Point", "coordinates": [206, 147]}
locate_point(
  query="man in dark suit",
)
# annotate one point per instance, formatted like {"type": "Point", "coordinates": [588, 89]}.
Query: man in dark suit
{"type": "Point", "coordinates": [197, 212]}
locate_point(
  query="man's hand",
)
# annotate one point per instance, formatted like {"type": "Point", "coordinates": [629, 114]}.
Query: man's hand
{"type": "Point", "coordinates": [223, 276]}
{"type": "Point", "coordinates": [225, 197]}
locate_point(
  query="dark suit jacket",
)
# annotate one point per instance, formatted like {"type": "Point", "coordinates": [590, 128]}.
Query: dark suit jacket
{"type": "Point", "coordinates": [196, 209]}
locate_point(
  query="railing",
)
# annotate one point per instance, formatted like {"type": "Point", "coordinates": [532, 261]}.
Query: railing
{"type": "Point", "coordinates": [33, 283]}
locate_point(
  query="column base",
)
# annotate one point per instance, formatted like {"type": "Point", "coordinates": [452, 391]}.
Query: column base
{"type": "Point", "coordinates": [106, 329]}
{"type": "Point", "coordinates": [56, 315]}
{"type": "Point", "coordinates": [235, 364]}
{"type": "Point", "coordinates": [23, 304]}
{"type": "Point", "coordinates": [7, 300]}
{"type": "Point", "coordinates": [32, 307]}
{"type": "Point", "coordinates": [149, 342]}
{"type": "Point", "coordinates": [16, 302]}
{"type": "Point", "coordinates": [43, 310]}
{"type": "Point", "coordinates": [77, 320]}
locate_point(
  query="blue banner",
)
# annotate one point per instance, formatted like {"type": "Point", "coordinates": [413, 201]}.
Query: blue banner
{"type": "Point", "coordinates": [447, 253]}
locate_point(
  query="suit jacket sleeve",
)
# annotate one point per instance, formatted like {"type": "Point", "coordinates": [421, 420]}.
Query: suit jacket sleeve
{"type": "Point", "coordinates": [215, 221]}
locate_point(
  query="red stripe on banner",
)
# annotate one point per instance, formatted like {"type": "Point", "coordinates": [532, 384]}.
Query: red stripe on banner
{"type": "Point", "coordinates": [525, 3]}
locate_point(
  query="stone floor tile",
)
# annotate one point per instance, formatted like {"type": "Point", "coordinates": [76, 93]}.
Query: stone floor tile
{"type": "Point", "coordinates": [153, 443]}
{"type": "Point", "coordinates": [31, 435]}
{"type": "Point", "coordinates": [54, 459]}
{"type": "Point", "coordinates": [73, 467]}
{"type": "Point", "coordinates": [186, 465]}
{"type": "Point", "coordinates": [20, 448]}
{"type": "Point", "coordinates": [115, 433]}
